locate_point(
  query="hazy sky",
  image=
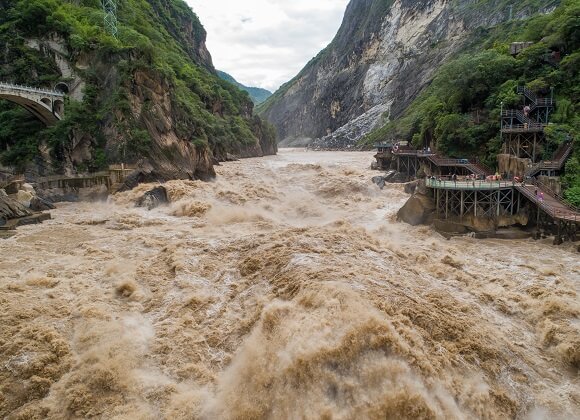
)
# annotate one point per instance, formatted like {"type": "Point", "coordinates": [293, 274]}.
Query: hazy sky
{"type": "Point", "coordinates": [265, 43]}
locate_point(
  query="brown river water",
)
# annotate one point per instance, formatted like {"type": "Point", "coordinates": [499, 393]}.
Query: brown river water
{"type": "Point", "coordinates": [286, 289]}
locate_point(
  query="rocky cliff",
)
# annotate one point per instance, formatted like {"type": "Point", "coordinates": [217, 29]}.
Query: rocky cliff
{"type": "Point", "coordinates": [384, 54]}
{"type": "Point", "coordinates": [149, 97]}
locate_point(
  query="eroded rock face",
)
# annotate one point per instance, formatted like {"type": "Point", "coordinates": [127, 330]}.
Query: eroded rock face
{"type": "Point", "coordinates": [384, 54]}
{"type": "Point", "coordinates": [11, 209]}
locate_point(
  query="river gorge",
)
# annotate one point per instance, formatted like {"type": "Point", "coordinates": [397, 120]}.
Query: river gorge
{"type": "Point", "coordinates": [286, 288]}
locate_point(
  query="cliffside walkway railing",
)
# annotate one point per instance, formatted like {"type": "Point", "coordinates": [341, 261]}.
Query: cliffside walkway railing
{"type": "Point", "coordinates": [556, 163]}
{"type": "Point", "coordinates": [549, 201]}
{"type": "Point", "coordinates": [472, 165]}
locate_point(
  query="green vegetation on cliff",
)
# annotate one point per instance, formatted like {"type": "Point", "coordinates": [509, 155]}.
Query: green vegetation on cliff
{"type": "Point", "coordinates": [161, 44]}
{"type": "Point", "coordinates": [459, 112]}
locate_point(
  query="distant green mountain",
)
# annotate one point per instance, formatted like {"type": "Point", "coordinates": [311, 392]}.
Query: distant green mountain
{"type": "Point", "coordinates": [258, 95]}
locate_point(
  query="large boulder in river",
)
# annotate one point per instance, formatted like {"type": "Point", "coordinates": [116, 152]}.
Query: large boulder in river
{"type": "Point", "coordinates": [418, 210]}
{"type": "Point", "coordinates": [153, 198]}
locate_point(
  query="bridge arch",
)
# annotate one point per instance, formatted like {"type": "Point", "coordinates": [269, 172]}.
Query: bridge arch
{"type": "Point", "coordinates": [46, 105]}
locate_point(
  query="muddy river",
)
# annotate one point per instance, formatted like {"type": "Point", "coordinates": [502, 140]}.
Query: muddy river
{"type": "Point", "coordinates": [284, 289]}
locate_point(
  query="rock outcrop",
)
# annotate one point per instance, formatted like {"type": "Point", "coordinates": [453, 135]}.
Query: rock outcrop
{"type": "Point", "coordinates": [11, 209]}
{"type": "Point", "coordinates": [418, 210]}
{"type": "Point", "coordinates": [384, 54]}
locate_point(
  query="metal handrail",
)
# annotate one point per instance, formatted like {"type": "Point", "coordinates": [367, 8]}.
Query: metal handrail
{"type": "Point", "coordinates": [555, 213]}
{"type": "Point", "coordinates": [563, 151]}
{"type": "Point", "coordinates": [31, 89]}
{"type": "Point", "coordinates": [511, 113]}
{"type": "Point", "coordinates": [546, 189]}
{"type": "Point", "coordinates": [522, 90]}
{"type": "Point", "coordinates": [447, 182]}
{"type": "Point", "coordinates": [525, 127]}
{"type": "Point", "coordinates": [474, 164]}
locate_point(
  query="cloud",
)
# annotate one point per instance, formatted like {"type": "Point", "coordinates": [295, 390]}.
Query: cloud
{"type": "Point", "coordinates": [265, 43]}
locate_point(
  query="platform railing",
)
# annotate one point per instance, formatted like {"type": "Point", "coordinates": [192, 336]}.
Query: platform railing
{"type": "Point", "coordinates": [523, 127]}
{"type": "Point", "coordinates": [465, 183]}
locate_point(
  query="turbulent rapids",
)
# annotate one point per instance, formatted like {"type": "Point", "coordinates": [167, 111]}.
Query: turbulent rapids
{"type": "Point", "coordinates": [284, 289]}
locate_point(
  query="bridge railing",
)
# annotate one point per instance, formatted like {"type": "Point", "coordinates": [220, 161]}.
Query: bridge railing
{"type": "Point", "coordinates": [31, 89]}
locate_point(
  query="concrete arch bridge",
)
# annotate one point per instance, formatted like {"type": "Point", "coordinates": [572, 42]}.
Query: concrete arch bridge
{"type": "Point", "coordinates": [46, 105]}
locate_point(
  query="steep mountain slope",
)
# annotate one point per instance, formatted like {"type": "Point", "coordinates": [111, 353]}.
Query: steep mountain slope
{"type": "Point", "coordinates": [150, 96]}
{"type": "Point", "coordinates": [385, 53]}
{"type": "Point", "coordinates": [459, 113]}
{"type": "Point", "coordinates": [258, 95]}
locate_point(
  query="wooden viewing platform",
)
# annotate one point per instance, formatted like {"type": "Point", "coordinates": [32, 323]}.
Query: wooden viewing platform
{"type": "Point", "coordinates": [495, 199]}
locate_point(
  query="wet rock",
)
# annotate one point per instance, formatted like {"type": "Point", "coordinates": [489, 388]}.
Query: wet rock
{"type": "Point", "coordinates": [417, 210]}
{"type": "Point", "coordinates": [137, 177]}
{"type": "Point", "coordinates": [411, 187]}
{"type": "Point", "coordinates": [40, 204]}
{"type": "Point", "coordinates": [12, 209]}
{"type": "Point", "coordinates": [399, 178]}
{"type": "Point", "coordinates": [13, 187]}
{"type": "Point", "coordinates": [379, 180]}
{"type": "Point", "coordinates": [153, 198]}
{"type": "Point", "coordinates": [512, 233]}
{"type": "Point", "coordinates": [448, 226]}
{"type": "Point", "coordinates": [231, 158]}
